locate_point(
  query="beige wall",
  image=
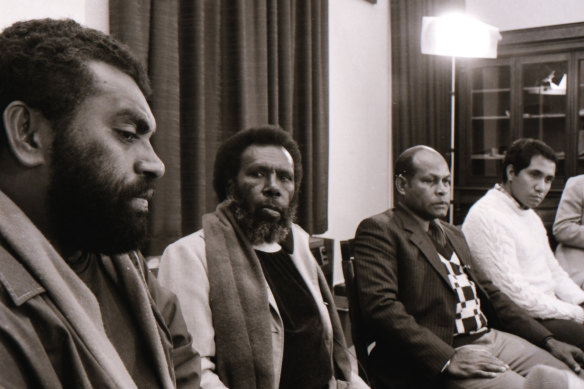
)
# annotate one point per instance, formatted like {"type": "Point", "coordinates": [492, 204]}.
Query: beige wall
{"type": "Point", "coordinates": [92, 13]}
{"type": "Point", "coordinates": [516, 14]}
{"type": "Point", "coordinates": [360, 110]}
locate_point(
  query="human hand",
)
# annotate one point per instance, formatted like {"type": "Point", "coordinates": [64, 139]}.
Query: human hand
{"type": "Point", "coordinates": [471, 361]}
{"type": "Point", "coordinates": [570, 355]}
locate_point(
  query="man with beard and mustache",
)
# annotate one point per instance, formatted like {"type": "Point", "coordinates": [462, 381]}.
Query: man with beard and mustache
{"type": "Point", "coordinates": [254, 297]}
{"type": "Point", "coordinates": [78, 309]}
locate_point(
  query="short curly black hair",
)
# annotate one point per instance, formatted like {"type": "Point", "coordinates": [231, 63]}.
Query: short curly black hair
{"type": "Point", "coordinates": [520, 153]}
{"type": "Point", "coordinates": [43, 62]}
{"type": "Point", "coordinates": [228, 158]}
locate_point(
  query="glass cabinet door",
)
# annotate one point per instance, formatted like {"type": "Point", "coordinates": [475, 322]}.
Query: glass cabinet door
{"type": "Point", "coordinates": [580, 120]}
{"type": "Point", "coordinates": [544, 105]}
{"type": "Point", "coordinates": [490, 118]}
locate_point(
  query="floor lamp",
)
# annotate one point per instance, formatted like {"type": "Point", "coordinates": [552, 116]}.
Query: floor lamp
{"type": "Point", "coordinates": [457, 35]}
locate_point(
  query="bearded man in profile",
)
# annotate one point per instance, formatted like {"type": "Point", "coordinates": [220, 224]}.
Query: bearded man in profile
{"type": "Point", "coordinates": [78, 309]}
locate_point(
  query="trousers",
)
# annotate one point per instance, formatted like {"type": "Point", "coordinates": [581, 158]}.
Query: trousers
{"type": "Point", "coordinates": [524, 359]}
{"type": "Point", "coordinates": [567, 331]}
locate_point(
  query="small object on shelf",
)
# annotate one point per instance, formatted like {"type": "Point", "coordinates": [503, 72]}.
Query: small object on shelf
{"type": "Point", "coordinates": [548, 87]}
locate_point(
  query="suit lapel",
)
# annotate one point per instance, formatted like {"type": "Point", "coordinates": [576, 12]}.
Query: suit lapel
{"type": "Point", "coordinates": [459, 247]}
{"type": "Point", "coordinates": [422, 241]}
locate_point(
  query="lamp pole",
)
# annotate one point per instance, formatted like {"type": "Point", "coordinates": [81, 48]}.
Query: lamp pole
{"type": "Point", "coordinates": [452, 133]}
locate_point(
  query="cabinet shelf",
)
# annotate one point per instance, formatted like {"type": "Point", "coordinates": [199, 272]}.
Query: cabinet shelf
{"type": "Point", "coordinates": [502, 117]}
{"type": "Point", "coordinates": [544, 116]}
{"type": "Point", "coordinates": [487, 156]}
{"type": "Point", "coordinates": [560, 156]}
{"type": "Point", "coordinates": [541, 91]}
{"type": "Point", "coordinates": [492, 90]}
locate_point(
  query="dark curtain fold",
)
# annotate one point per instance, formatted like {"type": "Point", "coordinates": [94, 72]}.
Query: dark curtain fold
{"type": "Point", "coordinates": [421, 83]}
{"type": "Point", "coordinates": [219, 66]}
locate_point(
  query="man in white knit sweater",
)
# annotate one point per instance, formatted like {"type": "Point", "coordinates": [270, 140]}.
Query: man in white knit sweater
{"type": "Point", "coordinates": [510, 246]}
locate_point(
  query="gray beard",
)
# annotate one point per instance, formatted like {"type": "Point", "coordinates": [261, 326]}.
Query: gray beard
{"type": "Point", "coordinates": [260, 231]}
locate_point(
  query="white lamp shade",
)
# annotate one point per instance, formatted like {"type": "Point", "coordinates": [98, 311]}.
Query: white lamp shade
{"type": "Point", "coordinates": [459, 35]}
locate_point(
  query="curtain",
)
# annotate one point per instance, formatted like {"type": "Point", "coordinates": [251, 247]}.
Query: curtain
{"type": "Point", "coordinates": [421, 83]}
{"type": "Point", "coordinates": [219, 66]}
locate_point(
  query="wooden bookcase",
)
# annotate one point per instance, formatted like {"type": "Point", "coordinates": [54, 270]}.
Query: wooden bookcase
{"type": "Point", "coordinates": [535, 88]}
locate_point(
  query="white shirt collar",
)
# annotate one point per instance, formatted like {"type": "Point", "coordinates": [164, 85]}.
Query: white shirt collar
{"type": "Point", "coordinates": [500, 188]}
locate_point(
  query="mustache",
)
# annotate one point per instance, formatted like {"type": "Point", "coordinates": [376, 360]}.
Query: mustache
{"type": "Point", "coordinates": [143, 188]}
{"type": "Point", "coordinates": [273, 206]}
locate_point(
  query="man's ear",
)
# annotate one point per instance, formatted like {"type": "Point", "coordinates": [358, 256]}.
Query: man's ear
{"type": "Point", "coordinates": [510, 171]}
{"type": "Point", "coordinates": [24, 127]}
{"type": "Point", "coordinates": [400, 184]}
{"type": "Point", "coordinates": [230, 189]}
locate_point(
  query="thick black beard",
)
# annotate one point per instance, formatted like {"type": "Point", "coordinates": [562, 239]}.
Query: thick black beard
{"type": "Point", "coordinates": [89, 210]}
{"type": "Point", "coordinates": [258, 230]}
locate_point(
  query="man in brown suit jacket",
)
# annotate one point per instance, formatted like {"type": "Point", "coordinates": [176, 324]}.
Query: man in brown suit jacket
{"type": "Point", "coordinates": [432, 323]}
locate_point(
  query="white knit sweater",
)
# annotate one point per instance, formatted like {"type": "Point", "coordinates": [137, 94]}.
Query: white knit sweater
{"type": "Point", "coordinates": [510, 247]}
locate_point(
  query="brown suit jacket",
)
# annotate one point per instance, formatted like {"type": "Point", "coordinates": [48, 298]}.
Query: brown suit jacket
{"type": "Point", "coordinates": [408, 305]}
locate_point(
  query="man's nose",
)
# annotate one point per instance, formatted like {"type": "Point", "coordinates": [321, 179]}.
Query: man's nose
{"type": "Point", "coordinates": [442, 188]}
{"type": "Point", "coordinates": [272, 187]}
{"type": "Point", "coordinates": [540, 185]}
{"type": "Point", "coordinates": [150, 164]}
